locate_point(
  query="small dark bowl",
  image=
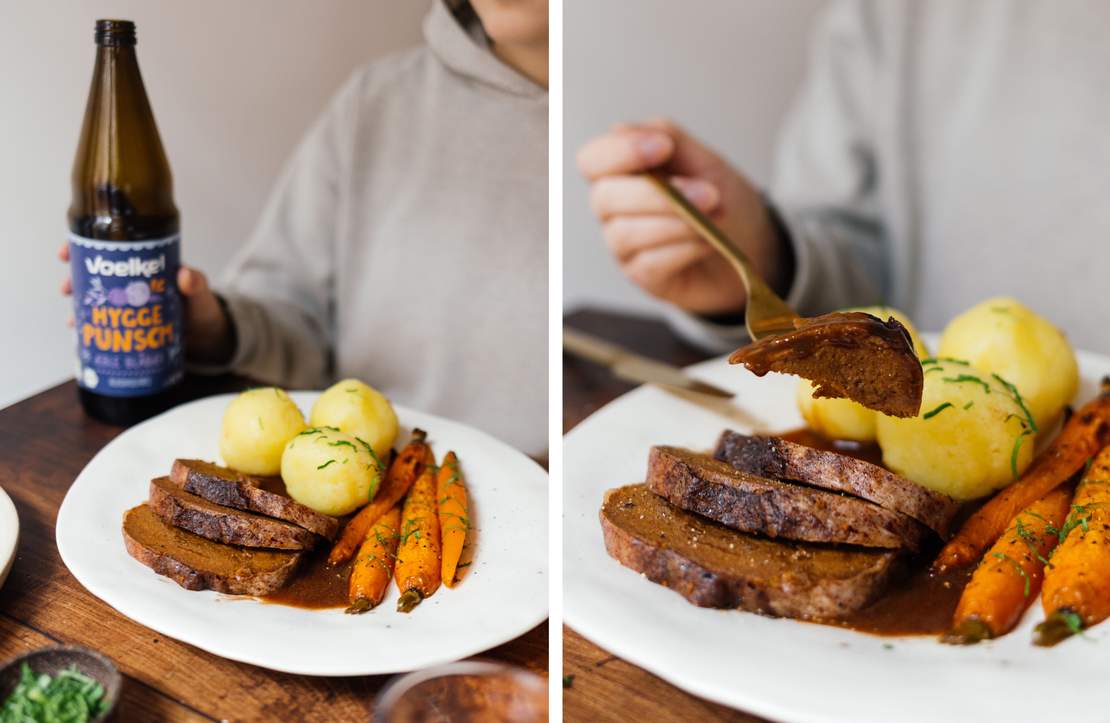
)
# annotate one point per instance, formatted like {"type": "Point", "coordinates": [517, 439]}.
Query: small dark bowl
{"type": "Point", "coordinates": [56, 658]}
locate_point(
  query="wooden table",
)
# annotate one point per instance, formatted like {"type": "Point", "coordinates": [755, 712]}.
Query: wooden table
{"type": "Point", "coordinates": [598, 686]}
{"type": "Point", "coordinates": [44, 442]}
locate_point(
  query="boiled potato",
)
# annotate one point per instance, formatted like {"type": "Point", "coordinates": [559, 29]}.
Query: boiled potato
{"type": "Point", "coordinates": [359, 410]}
{"type": "Point", "coordinates": [971, 437]}
{"type": "Point", "coordinates": [843, 418]}
{"type": "Point", "coordinates": [330, 471]}
{"type": "Point", "coordinates": [257, 425]}
{"type": "Point", "coordinates": [1003, 337]}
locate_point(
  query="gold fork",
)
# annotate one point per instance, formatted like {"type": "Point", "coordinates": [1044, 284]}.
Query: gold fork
{"type": "Point", "coordinates": [766, 313]}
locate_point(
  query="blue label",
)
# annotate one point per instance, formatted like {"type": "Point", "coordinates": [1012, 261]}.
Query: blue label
{"type": "Point", "coordinates": [128, 314]}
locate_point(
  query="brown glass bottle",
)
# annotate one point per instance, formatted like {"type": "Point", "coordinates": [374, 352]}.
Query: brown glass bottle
{"type": "Point", "coordinates": [124, 244]}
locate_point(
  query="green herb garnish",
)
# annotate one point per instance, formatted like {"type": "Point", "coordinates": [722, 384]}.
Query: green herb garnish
{"type": "Point", "coordinates": [1014, 452]}
{"type": "Point", "coordinates": [325, 464]}
{"type": "Point", "coordinates": [68, 697]}
{"type": "Point", "coordinates": [1031, 539]}
{"type": "Point", "coordinates": [935, 412]}
{"type": "Point", "coordinates": [568, 681]}
{"type": "Point", "coordinates": [1079, 516]}
{"type": "Point", "coordinates": [1021, 571]}
{"type": "Point", "coordinates": [945, 359]}
{"type": "Point", "coordinates": [1016, 395]}
{"type": "Point", "coordinates": [969, 405]}
{"type": "Point", "coordinates": [964, 378]}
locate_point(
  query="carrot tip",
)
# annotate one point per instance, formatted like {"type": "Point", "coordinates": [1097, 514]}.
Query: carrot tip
{"type": "Point", "coordinates": [360, 605]}
{"type": "Point", "coordinates": [1057, 627]}
{"type": "Point", "coordinates": [967, 632]}
{"type": "Point", "coordinates": [408, 600]}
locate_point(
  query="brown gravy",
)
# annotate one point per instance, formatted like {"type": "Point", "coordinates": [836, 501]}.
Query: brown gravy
{"type": "Point", "coordinates": [919, 603]}
{"type": "Point", "coordinates": [316, 585]}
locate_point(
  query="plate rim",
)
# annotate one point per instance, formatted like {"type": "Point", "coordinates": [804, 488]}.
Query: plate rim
{"type": "Point", "coordinates": [538, 616]}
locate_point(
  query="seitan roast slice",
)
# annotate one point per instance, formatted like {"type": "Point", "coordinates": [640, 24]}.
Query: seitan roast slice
{"type": "Point", "coordinates": [846, 354]}
{"type": "Point", "coordinates": [196, 563]}
{"type": "Point", "coordinates": [782, 459]}
{"type": "Point", "coordinates": [713, 566]}
{"type": "Point", "coordinates": [699, 483]}
{"type": "Point", "coordinates": [223, 486]}
{"type": "Point", "coordinates": [224, 524]}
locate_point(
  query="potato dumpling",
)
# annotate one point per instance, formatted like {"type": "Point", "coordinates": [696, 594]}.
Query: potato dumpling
{"type": "Point", "coordinates": [843, 418]}
{"type": "Point", "coordinates": [359, 410]}
{"type": "Point", "coordinates": [971, 437]}
{"type": "Point", "coordinates": [1004, 337]}
{"type": "Point", "coordinates": [330, 471]}
{"type": "Point", "coordinates": [257, 425]}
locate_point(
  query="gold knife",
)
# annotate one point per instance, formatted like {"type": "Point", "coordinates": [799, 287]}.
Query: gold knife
{"type": "Point", "coordinates": [635, 368]}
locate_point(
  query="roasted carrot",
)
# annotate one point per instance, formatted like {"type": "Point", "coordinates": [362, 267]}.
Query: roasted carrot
{"type": "Point", "coordinates": [454, 515]}
{"type": "Point", "coordinates": [417, 570]}
{"type": "Point", "coordinates": [402, 472]}
{"type": "Point", "coordinates": [1082, 437]}
{"type": "Point", "coordinates": [373, 568]}
{"type": "Point", "coordinates": [1076, 591]}
{"type": "Point", "coordinates": [1009, 576]}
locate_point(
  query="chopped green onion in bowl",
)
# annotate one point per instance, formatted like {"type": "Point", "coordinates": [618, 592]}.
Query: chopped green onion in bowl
{"type": "Point", "coordinates": [68, 697]}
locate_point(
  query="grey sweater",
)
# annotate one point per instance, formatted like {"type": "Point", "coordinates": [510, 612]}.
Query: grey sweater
{"type": "Point", "coordinates": [946, 151]}
{"type": "Point", "coordinates": [406, 242]}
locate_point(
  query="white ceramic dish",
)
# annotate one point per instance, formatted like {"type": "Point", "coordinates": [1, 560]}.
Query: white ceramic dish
{"type": "Point", "coordinates": [9, 535]}
{"type": "Point", "coordinates": [503, 595]}
{"type": "Point", "coordinates": [784, 669]}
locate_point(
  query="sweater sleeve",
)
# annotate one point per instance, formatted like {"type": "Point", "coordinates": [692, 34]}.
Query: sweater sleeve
{"type": "Point", "coordinates": [826, 174]}
{"type": "Point", "coordinates": [279, 287]}
{"type": "Point", "coordinates": [825, 183]}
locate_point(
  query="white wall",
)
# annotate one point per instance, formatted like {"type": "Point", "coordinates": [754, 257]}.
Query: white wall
{"type": "Point", "coordinates": [233, 85]}
{"type": "Point", "coordinates": [726, 69]}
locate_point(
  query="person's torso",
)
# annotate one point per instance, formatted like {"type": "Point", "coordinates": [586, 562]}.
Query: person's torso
{"type": "Point", "coordinates": [441, 285]}
{"type": "Point", "coordinates": [1003, 137]}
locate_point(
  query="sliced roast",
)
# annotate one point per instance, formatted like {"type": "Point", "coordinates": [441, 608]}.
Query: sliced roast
{"type": "Point", "coordinates": [223, 486]}
{"type": "Point", "coordinates": [782, 459]}
{"type": "Point", "coordinates": [196, 563]}
{"type": "Point", "coordinates": [714, 566]}
{"type": "Point", "coordinates": [224, 524]}
{"type": "Point", "coordinates": [750, 503]}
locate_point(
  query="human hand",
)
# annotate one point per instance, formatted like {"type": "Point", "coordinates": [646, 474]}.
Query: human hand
{"type": "Point", "coordinates": [654, 247]}
{"type": "Point", "coordinates": [208, 335]}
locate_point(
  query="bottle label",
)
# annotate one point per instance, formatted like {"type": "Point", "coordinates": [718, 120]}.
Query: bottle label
{"type": "Point", "coordinates": [128, 315]}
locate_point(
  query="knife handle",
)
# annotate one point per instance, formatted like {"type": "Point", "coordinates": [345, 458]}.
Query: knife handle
{"type": "Point", "coordinates": [590, 347]}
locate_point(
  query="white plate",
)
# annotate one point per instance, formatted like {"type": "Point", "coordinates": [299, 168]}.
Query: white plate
{"type": "Point", "coordinates": [9, 535]}
{"type": "Point", "coordinates": [503, 596]}
{"type": "Point", "coordinates": [778, 668]}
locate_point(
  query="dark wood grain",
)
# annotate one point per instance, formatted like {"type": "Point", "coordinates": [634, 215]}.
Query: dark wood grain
{"type": "Point", "coordinates": [44, 442]}
{"type": "Point", "coordinates": [599, 686]}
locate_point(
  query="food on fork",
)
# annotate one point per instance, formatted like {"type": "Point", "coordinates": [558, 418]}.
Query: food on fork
{"type": "Point", "coordinates": [846, 354]}
{"type": "Point", "coordinates": [842, 418]}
